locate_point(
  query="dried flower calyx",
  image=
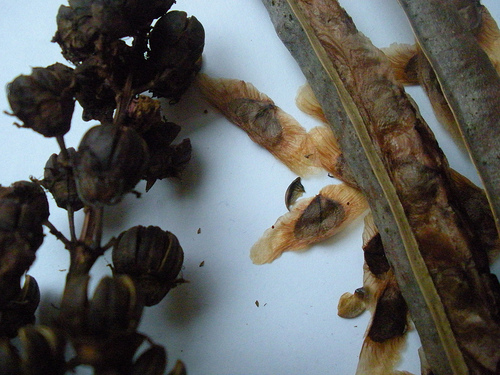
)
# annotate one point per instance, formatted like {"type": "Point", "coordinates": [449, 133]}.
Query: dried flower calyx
{"type": "Point", "coordinates": [152, 257]}
{"type": "Point", "coordinates": [109, 163]}
{"type": "Point", "coordinates": [166, 160]}
{"type": "Point", "coordinates": [44, 100]}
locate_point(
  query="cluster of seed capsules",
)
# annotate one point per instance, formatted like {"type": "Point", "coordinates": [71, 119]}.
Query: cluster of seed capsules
{"type": "Point", "coordinates": [130, 143]}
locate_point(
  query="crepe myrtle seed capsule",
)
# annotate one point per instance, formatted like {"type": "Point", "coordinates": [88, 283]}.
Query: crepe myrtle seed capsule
{"type": "Point", "coordinates": [59, 179]}
{"type": "Point", "coordinates": [20, 311]}
{"type": "Point", "coordinates": [43, 350]}
{"type": "Point", "coordinates": [177, 43]}
{"type": "Point", "coordinates": [152, 362]}
{"type": "Point", "coordinates": [109, 163]}
{"type": "Point", "coordinates": [44, 100]}
{"type": "Point", "coordinates": [103, 329]}
{"type": "Point", "coordinates": [152, 257]}
{"type": "Point", "coordinates": [23, 209]}
{"type": "Point", "coordinates": [10, 360]}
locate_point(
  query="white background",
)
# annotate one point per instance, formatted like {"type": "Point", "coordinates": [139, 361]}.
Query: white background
{"type": "Point", "coordinates": [232, 190]}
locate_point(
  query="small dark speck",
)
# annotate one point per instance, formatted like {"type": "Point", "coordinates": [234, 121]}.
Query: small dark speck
{"type": "Point", "coordinates": [198, 231]}
{"type": "Point", "coordinates": [265, 304]}
{"type": "Point", "coordinates": [63, 269]}
{"type": "Point", "coordinates": [202, 263]}
{"type": "Point", "coordinates": [272, 227]}
{"type": "Point", "coordinates": [257, 303]}
{"type": "Point", "coordinates": [348, 203]}
{"type": "Point", "coordinates": [205, 111]}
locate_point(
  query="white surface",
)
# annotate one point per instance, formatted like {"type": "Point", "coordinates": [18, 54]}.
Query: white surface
{"type": "Point", "coordinates": [233, 190]}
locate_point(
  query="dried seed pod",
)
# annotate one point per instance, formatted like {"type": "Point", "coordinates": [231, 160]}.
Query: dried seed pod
{"type": "Point", "coordinates": [103, 329]}
{"type": "Point", "coordinates": [293, 192]}
{"type": "Point", "coordinates": [152, 362]}
{"type": "Point", "coordinates": [264, 122]}
{"type": "Point", "coordinates": [44, 351]}
{"type": "Point", "coordinates": [351, 305]}
{"type": "Point", "coordinates": [76, 30]}
{"type": "Point", "coordinates": [109, 163]}
{"type": "Point", "coordinates": [20, 311]}
{"type": "Point", "coordinates": [10, 361]}
{"type": "Point", "coordinates": [114, 307]}
{"type": "Point", "coordinates": [311, 220]}
{"type": "Point", "coordinates": [59, 179]}
{"type": "Point", "coordinates": [176, 43]}
{"type": "Point", "coordinates": [93, 91]}
{"type": "Point", "coordinates": [152, 257]}
{"type": "Point", "coordinates": [23, 210]}
{"type": "Point", "coordinates": [44, 100]}
{"type": "Point", "coordinates": [121, 18]}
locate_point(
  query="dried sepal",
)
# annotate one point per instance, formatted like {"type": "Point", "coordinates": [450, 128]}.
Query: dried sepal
{"type": "Point", "coordinates": [351, 305]}
{"type": "Point", "coordinates": [293, 192]}
{"type": "Point", "coordinates": [264, 122]}
{"type": "Point", "coordinates": [165, 159]}
{"type": "Point", "coordinates": [310, 220]}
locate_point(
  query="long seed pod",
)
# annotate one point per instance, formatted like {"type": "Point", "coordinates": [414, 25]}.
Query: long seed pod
{"type": "Point", "coordinates": [469, 82]}
{"type": "Point", "coordinates": [406, 180]}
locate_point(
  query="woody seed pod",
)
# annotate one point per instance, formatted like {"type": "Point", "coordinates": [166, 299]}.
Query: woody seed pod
{"type": "Point", "coordinates": [152, 258]}
{"type": "Point", "coordinates": [58, 178]}
{"type": "Point", "coordinates": [44, 100]}
{"type": "Point", "coordinates": [152, 362]}
{"type": "Point", "coordinates": [23, 209]}
{"type": "Point", "coordinates": [177, 42]}
{"type": "Point", "coordinates": [43, 351]}
{"type": "Point", "coordinates": [21, 310]}
{"type": "Point", "coordinates": [109, 163]}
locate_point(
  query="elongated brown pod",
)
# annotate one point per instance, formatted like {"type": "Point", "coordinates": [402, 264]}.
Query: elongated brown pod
{"type": "Point", "coordinates": [415, 180]}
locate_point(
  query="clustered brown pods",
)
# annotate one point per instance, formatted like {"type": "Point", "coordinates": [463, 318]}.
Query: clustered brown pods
{"type": "Point", "coordinates": [131, 141]}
